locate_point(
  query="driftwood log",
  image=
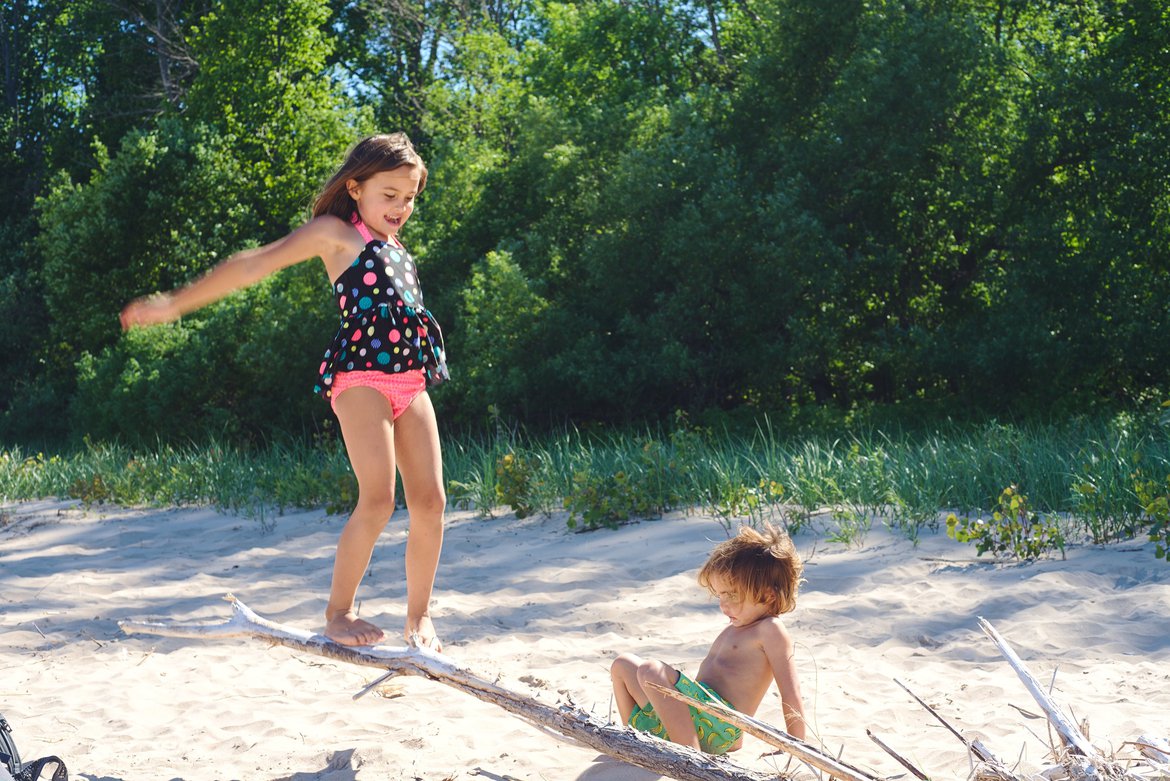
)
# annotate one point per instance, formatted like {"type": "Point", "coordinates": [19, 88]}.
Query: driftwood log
{"type": "Point", "coordinates": [662, 757]}
{"type": "Point", "coordinates": [1077, 758]}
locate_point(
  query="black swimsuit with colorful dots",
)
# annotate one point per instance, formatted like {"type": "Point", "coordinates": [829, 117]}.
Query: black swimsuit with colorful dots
{"type": "Point", "coordinates": [384, 325]}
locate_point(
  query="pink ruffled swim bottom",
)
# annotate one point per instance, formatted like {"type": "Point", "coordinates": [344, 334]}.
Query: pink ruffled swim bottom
{"type": "Point", "coordinates": [399, 388]}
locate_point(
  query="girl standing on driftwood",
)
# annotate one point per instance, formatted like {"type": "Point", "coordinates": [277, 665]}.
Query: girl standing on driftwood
{"type": "Point", "coordinates": [387, 351]}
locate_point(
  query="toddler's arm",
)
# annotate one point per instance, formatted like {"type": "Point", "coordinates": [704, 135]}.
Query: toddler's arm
{"type": "Point", "coordinates": [780, 650]}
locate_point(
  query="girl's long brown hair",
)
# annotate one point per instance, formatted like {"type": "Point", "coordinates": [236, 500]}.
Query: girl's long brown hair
{"type": "Point", "coordinates": [383, 152]}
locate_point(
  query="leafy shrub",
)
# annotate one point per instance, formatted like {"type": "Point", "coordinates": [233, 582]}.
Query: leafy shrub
{"type": "Point", "coordinates": [514, 484]}
{"type": "Point", "coordinates": [733, 500]}
{"type": "Point", "coordinates": [1013, 531]}
{"type": "Point", "coordinates": [649, 488]}
{"type": "Point", "coordinates": [344, 489]}
{"type": "Point", "coordinates": [851, 527]}
{"type": "Point", "coordinates": [1155, 500]}
{"type": "Point", "coordinates": [500, 309]}
{"type": "Point", "coordinates": [241, 369]}
{"type": "Point", "coordinates": [521, 484]}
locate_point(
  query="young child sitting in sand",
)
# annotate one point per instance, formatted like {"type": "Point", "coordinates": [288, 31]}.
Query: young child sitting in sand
{"type": "Point", "coordinates": [755, 576]}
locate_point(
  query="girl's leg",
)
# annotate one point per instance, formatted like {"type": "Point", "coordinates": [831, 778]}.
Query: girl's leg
{"type": "Point", "coordinates": [420, 462]}
{"type": "Point", "coordinates": [368, 430]}
{"type": "Point", "coordinates": [627, 692]}
{"type": "Point", "coordinates": [674, 715]}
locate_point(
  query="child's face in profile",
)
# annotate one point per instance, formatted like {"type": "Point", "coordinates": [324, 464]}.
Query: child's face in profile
{"type": "Point", "coordinates": [741, 609]}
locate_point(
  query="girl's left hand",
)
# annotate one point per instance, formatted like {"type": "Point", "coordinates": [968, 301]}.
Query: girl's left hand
{"type": "Point", "coordinates": [149, 310]}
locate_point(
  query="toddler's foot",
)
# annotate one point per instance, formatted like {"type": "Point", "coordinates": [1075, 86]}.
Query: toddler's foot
{"type": "Point", "coordinates": [347, 629]}
{"type": "Point", "coordinates": [420, 631]}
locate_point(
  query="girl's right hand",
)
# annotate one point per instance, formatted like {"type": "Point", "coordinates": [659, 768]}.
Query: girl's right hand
{"type": "Point", "coordinates": [149, 310]}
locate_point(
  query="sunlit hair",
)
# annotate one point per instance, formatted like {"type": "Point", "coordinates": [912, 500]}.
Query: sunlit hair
{"type": "Point", "coordinates": [762, 566]}
{"type": "Point", "coordinates": [369, 156]}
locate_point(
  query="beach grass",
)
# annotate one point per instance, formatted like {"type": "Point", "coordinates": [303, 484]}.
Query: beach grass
{"type": "Point", "coordinates": [1098, 475]}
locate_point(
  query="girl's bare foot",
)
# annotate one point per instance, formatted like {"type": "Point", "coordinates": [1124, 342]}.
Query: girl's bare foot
{"type": "Point", "coordinates": [347, 629]}
{"type": "Point", "coordinates": [420, 631]}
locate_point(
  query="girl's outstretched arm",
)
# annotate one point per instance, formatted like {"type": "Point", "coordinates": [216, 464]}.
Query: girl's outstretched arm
{"type": "Point", "coordinates": [316, 238]}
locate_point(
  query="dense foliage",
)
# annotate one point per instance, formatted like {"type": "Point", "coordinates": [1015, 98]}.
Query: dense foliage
{"type": "Point", "coordinates": [635, 206]}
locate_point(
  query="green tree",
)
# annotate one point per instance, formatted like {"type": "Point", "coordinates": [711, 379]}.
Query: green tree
{"type": "Point", "coordinates": [397, 51]}
{"type": "Point", "coordinates": [1090, 210]}
{"type": "Point", "coordinates": [634, 206]}
{"type": "Point", "coordinates": [46, 65]}
{"type": "Point", "coordinates": [594, 74]}
{"type": "Point", "coordinates": [263, 84]}
{"type": "Point", "coordinates": [259, 128]}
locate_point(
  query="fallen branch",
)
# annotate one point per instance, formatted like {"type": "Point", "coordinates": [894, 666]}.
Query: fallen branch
{"type": "Point", "coordinates": [1068, 731]}
{"type": "Point", "coordinates": [772, 736]}
{"type": "Point", "coordinates": [977, 749]}
{"type": "Point", "coordinates": [1156, 749]}
{"type": "Point", "coordinates": [662, 757]}
{"type": "Point", "coordinates": [901, 760]}
{"type": "Point", "coordinates": [990, 764]}
{"type": "Point", "coordinates": [1080, 759]}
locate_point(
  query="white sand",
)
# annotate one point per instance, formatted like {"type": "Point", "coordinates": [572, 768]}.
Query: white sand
{"type": "Point", "coordinates": [544, 611]}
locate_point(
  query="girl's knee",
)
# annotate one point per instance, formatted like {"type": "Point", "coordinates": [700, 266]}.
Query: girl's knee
{"type": "Point", "coordinates": [374, 508]}
{"type": "Point", "coordinates": [430, 502]}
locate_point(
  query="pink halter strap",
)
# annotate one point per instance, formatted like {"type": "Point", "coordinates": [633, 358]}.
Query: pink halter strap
{"type": "Point", "coordinates": [361, 226]}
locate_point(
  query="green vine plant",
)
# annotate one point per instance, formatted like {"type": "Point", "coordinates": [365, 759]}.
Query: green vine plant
{"type": "Point", "coordinates": [1155, 500]}
{"type": "Point", "coordinates": [731, 501]}
{"type": "Point", "coordinates": [646, 489]}
{"type": "Point", "coordinates": [514, 480]}
{"type": "Point", "coordinates": [1014, 530]}
{"type": "Point", "coordinates": [852, 526]}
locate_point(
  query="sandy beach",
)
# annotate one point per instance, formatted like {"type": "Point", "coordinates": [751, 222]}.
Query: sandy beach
{"type": "Point", "coordinates": [543, 611]}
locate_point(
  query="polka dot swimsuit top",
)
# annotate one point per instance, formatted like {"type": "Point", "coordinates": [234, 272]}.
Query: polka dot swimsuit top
{"type": "Point", "coordinates": [384, 325]}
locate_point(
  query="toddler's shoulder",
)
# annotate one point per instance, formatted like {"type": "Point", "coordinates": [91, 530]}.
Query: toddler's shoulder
{"type": "Point", "coordinates": [772, 631]}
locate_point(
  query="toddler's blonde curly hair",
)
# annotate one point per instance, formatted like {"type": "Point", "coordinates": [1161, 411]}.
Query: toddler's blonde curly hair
{"type": "Point", "coordinates": [762, 565]}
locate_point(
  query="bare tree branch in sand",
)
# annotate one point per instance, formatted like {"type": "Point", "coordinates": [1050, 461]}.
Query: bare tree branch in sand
{"type": "Point", "coordinates": [1080, 758]}
{"type": "Point", "coordinates": [662, 757]}
{"type": "Point", "coordinates": [772, 736]}
{"type": "Point", "coordinates": [1077, 758]}
{"type": "Point", "coordinates": [901, 760]}
{"type": "Point", "coordinates": [990, 767]}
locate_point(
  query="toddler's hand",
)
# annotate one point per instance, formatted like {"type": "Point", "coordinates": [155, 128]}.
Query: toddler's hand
{"type": "Point", "coordinates": [148, 310]}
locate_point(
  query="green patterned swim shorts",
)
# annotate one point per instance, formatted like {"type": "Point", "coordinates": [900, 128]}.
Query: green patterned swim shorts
{"type": "Point", "coordinates": [715, 735]}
